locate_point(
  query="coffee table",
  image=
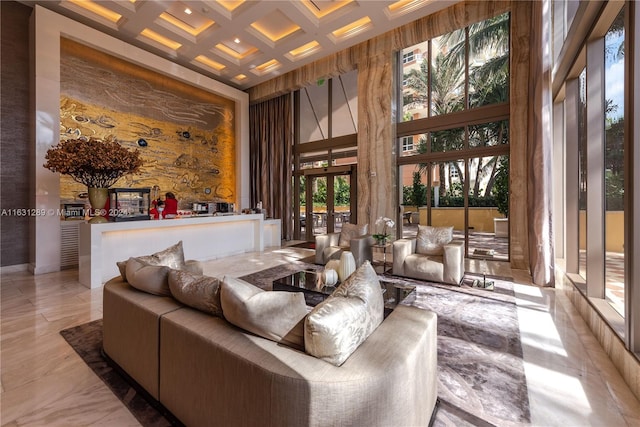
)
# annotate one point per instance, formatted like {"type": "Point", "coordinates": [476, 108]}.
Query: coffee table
{"type": "Point", "coordinates": [307, 282]}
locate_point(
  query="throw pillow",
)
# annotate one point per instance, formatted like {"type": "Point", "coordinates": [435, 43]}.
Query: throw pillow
{"type": "Point", "coordinates": [336, 327]}
{"type": "Point", "coordinates": [148, 278]}
{"type": "Point", "coordinates": [199, 292]}
{"type": "Point", "coordinates": [172, 257]}
{"type": "Point", "coordinates": [278, 316]}
{"type": "Point", "coordinates": [351, 231]}
{"type": "Point", "coordinates": [430, 240]}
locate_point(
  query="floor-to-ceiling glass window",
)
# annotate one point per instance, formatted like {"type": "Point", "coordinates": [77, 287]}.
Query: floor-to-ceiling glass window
{"type": "Point", "coordinates": [453, 135]}
{"type": "Point", "coordinates": [597, 77]}
{"type": "Point", "coordinates": [614, 163]}
{"type": "Point", "coordinates": [326, 156]}
{"type": "Point", "coordinates": [582, 175]}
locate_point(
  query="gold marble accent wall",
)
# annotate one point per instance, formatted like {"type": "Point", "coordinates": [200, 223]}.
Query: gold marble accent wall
{"type": "Point", "coordinates": [373, 197]}
{"type": "Point", "coordinates": [185, 135]}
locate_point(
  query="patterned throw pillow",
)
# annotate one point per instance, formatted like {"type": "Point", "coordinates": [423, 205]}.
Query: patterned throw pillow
{"type": "Point", "coordinates": [351, 231]}
{"type": "Point", "coordinates": [336, 327]}
{"type": "Point", "coordinates": [275, 315]}
{"type": "Point", "coordinates": [152, 279]}
{"type": "Point", "coordinates": [172, 257]}
{"type": "Point", "coordinates": [430, 240]}
{"type": "Point", "coordinates": [199, 292]}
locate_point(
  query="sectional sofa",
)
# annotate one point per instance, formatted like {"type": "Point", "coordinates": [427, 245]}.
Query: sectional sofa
{"type": "Point", "coordinates": [208, 372]}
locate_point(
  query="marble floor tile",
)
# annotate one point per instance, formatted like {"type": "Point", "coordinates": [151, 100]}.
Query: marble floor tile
{"type": "Point", "coordinates": [571, 381]}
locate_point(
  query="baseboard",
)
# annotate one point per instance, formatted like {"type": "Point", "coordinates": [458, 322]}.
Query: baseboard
{"type": "Point", "coordinates": [16, 268]}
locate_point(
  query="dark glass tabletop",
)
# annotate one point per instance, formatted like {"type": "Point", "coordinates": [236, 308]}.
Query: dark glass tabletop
{"type": "Point", "coordinates": [308, 282]}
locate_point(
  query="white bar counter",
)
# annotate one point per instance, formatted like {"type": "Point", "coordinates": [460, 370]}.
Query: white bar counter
{"type": "Point", "coordinates": [203, 238]}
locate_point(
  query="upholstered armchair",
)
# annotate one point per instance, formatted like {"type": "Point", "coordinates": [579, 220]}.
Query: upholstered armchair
{"type": "Point", "coordinates": [430, 256]}
{"type": "Point", "coordinates": [352, 237]}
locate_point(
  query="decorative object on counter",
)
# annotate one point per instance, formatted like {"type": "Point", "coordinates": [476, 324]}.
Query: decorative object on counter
{"type": "Point", "coordinates": [98, 164]}
{"type": "Point", "coordinates": [98, 197]}
{"type": "Point", "coordinates": [382, 238]}
{"type": "Point", "coordinates": [347, 265]}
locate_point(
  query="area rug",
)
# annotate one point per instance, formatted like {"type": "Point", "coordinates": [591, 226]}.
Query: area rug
{"type": "Point", "coordinates": [481, 379]}
{"type": "Point", "coordinates": [86, 340]}
{"type": "Point", "coordinates": [305, 245]}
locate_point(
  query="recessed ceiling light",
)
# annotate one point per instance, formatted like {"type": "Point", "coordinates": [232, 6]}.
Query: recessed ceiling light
{"type": "Point", "coordinates": [236, 40]}
{"type": "Point", "coordinates": [187, 11]}
{"type": "Point", "coordinates": [98, 10]}
{"type": "Point", "coordinates": [210, 62]}
{"type": "Point", "coordinates": [352, 29]}
{"type": "Point", "coordinates": [160, 39]}
{"type": "Point", "coordinates": [304, 50]}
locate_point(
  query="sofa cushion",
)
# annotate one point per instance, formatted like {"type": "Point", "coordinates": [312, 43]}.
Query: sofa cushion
{"type": "Point", "coordinates": [199, 292]}
{"type": "Point", "coordinates": [351, 231]}
{"type": "Point", "coordinates": [172, 257]}
{"type": "Point", "coordinates": [430, 240]}
{"type": "Point", "coordinates": [148, 278]}
{"type": "Point", "coordinates": [277, 316]}
{"type": "Point", "coordinates": [337, 326]}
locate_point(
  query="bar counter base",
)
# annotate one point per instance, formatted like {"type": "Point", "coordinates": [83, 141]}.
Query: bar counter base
{"type": "Point", "coordinates": [203, 238]}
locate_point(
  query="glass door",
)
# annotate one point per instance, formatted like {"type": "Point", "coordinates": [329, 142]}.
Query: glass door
{"type": "Point", "coordinates": [329, 203]}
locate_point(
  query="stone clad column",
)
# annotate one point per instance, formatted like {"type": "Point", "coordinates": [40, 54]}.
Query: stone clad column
{"type": "Point", "coordinates": [377, 168]}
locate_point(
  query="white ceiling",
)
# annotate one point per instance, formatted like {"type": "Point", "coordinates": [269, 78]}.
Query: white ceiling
{"type": "Point", "coordinates": [243, 43]}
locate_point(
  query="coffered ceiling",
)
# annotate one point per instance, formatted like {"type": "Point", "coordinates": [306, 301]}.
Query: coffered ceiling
{"type": "Point", "coordinates": [239, 42]}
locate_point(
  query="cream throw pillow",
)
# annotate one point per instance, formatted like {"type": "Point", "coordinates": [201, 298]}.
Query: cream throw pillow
{"type": "Point", "coordinates": [275, 315]}
{"type": "Point", "coordinates": [172, 257]}
{"type": "Point", "coordinates": [430, 240]}
{"type": "Point", "coordinates": [148, 278]}
{"type": "Point", "coordinates": [351, 231]}
{"type": "Point", "coordinates": [336, 327]}
{"type": "Point", "coordinates": [199, 292]}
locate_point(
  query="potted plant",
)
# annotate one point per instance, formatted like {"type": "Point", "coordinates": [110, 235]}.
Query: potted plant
{"type": "Point", "coordinates": [501, 195]}
{"type": "Point", "coordinates": [381, 238]}
{"type": "Point", "coordinates": [98, 164]}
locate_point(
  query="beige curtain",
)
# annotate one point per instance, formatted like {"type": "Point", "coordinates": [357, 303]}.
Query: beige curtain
{"type": "Point", "coordinates": [271, 159]}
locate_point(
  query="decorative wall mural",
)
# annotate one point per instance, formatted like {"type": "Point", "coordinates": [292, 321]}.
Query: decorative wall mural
{"type": "Point", "coordinates": [185, 134]}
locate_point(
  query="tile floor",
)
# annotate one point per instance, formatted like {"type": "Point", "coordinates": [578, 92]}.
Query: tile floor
{"type": "Point", "coordinates": [43, 382]}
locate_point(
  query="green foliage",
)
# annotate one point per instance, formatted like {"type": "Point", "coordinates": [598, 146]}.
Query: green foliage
{"type": "Point", "coordinates": [342, 192]}
{"type": "Point", "coordinates": [501, 186]}
{"type": "Point", "coordinates": [416, 194]}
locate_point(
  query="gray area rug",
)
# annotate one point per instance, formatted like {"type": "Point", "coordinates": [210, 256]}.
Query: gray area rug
{"type": "Point", "coordinates": [481, 379]}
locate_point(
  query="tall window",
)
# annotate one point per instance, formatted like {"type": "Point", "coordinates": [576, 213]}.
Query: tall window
{"type": "Point", "coordinates": [614, 163]}
{"type": "Point", "coordinates": [326, 153]}
{"type": "Point", "coordinates": [455, 106]}
{"type": "Point", "coordinates": [598, 161]}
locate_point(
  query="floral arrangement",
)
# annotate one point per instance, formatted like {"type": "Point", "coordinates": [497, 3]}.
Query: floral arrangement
{"type": "Point", "coordinates": [93, 162]}
{"type": "Point", "coordinates": [385, 223]}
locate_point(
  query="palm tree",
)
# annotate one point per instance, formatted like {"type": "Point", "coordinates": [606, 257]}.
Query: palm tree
{"type": "Point", "coordinates": [488, 84]}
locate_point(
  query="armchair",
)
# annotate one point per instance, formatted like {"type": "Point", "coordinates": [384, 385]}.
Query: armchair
{"type": "Point", "coordinates": [430, 256]}
{"type": "Point", "coordinates": [353, 238]}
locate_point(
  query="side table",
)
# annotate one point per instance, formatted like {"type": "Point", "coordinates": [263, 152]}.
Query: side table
{"type": "Point", "coordinates": [383, 247]}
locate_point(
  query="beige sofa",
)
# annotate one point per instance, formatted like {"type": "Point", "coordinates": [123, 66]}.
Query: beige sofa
{"type": "Point", "coordinates": [209, 372]}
